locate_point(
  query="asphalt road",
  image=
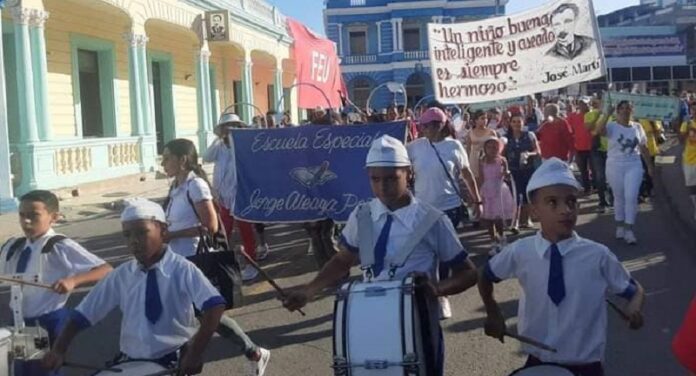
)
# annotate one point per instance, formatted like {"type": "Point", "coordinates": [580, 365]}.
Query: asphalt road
{"type": "Point", "coordinates": [663, 261]}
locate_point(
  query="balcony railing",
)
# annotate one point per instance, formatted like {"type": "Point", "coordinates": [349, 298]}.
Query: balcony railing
{"type": "Point", "coordinates": [258, 8]}
{"type": "Point", "coordinates": [359, 59]}
{"type": "Point", "coordinates": [357, 3]}
{"type": "Point", "coordinates": [416, 55]}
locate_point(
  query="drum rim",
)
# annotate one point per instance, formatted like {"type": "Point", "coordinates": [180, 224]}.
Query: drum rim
{"type": "Point", "coordinates": [554, 365]}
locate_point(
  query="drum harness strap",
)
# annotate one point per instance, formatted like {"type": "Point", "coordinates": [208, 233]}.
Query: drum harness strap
{"type": "Point", "coordinates": [367, 241]}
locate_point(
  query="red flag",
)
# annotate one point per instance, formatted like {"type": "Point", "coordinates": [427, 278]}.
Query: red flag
{"type": "Point", "coordinates": [316, 63]}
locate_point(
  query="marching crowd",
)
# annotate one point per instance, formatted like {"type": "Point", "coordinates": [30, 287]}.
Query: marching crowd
{"type": "Point", "coordinates": [497, 168]}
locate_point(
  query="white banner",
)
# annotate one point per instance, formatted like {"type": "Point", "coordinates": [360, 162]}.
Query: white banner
{"type": "Point", "coordinates": [546, 48]}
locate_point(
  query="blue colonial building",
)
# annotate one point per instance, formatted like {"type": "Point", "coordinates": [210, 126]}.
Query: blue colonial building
{"type": "Point", "coordinates": [382, 41]}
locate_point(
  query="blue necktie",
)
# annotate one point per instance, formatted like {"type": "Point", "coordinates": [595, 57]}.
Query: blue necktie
{"type": "Point", "coordinates": [153, 303]}
{"type": "Point", "coordinates": [23, 260]}
{"type": "Point", "coordinates": [381, 246]}
{"type": "Point", "coordinates": [556, 289]}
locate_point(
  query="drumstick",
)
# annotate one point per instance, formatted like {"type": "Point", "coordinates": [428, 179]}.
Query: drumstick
{"type": "Point", "coordinates": [28, 283]}
{"type": "Point", "coordinates": [530, 341]}
{"type": "Point", "coordinates": [618, 310]}
{"type": "Point", "coordinates": [268, 278]}
{"type": "Point", "coordinates": [91, 368]}
{"type": "Point", "coordinates": [172, 371]}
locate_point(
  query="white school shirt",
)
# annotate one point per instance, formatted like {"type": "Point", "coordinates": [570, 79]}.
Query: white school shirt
{"type": "Point", "coordinates": [440, 244]}
{"type": "Point", "coordinates": [181, 215]}
{"type": "Point", "coordinates": [181, 284]}
{"type": "Point", "coordinates": [224, 172]}
{"type": "Point", "coordinates": [432, 184]}
{"type": "Point", "coordinates": [67, 258]}
{"type": "Point", "coordinates": [624, 142]}
{"type": "Point", "coordinates": [577, 327]}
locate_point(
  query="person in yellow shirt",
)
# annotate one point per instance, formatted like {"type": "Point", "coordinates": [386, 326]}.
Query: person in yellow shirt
{"type": "Point", "coordinates": [654, 131]}
{"type": "Point", "coordinates": [598, 156]}
{"type": "Point", "coordinates": [688, 136]}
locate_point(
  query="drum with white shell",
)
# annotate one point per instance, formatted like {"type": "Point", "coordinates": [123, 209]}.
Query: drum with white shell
{"type": "Point", "coordinates": [134, 368]}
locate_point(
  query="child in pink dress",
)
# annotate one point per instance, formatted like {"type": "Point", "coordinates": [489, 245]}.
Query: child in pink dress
{"type": "Point", "coordinates": [498, 204]}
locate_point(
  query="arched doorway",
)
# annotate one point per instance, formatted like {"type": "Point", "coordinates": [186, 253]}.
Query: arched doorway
{"type": "Point", "coordinates": [360, 89]}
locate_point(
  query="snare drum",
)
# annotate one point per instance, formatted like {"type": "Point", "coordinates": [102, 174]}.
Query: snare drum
{"type": "Point", "coordinates": [133, 368]}
{"type": "Point", "coordinates": [377, 329]}
{"type": "Point", "coordinates": [5, 349]}
{"type": "Point", "coordinates": [542, 370]}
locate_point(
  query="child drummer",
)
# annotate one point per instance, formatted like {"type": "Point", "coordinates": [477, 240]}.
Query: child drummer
{"type": "Point", "coordinates": [156, 292]}
{"type": "Point", "coordinates": [565, 279]}
{"type": "Point", "coordinates": [394, 214]}
{"type": "Point", "coordinates": [57, 260]}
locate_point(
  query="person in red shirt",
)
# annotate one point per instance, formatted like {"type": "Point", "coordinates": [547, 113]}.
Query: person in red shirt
{"type": "Point", "coordinates": [684, 344]}
{"type": "Point", "coordinates": [583, 141]}
{"type": "Point", "coordinates": [555, 136]}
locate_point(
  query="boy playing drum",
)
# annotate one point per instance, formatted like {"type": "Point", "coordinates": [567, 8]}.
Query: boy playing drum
{"type": "Point", "coordinates": [564, 277]}
{"type": "Point", "coordinates": [156, 292]}
{"type": "Point", "coordinates": [394, 214]}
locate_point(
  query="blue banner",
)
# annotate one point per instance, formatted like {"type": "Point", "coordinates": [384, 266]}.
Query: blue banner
{"type": "Point", "coordinates": [305, 173]}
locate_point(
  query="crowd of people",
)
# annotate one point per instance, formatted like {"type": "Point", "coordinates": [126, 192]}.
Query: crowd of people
{"type": "Point", "coordinates": [499, 168]}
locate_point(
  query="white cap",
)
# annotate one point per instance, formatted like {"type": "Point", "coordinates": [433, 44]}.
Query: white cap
{"type": "Point", "coordinates": [387, 151]}
{"type": "Point", "coordinates": [552, 172]}
{"type": "Point", "coordinates": [229, 118]}
{"type": "Point", "coordinates": [139, 208]}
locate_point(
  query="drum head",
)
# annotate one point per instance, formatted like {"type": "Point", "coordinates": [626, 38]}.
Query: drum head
{"type": "Point", "coordinates": [133, 368]}
{"type": "Point", "coordinates": [542, 370]}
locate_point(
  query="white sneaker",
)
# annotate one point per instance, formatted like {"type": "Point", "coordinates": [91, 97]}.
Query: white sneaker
{"type": "Point", "coordinates": [262, 252]}
{"type": "Point", "coordinates": [630, 237]}
{"type": "Point", "coordinates": [445, 308]}
{"type": "Point", "coordinates": [258, 367]}
{"type": "Point", "coordinates": [249, 273]}
{"type": "Point", "coordinates": [620, 233]}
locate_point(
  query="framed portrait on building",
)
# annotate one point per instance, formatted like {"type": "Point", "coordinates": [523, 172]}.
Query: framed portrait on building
{"type": "Point", "coordinates": [217, 24]}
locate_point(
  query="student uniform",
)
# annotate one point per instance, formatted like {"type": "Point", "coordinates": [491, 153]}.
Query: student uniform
{"type": "Point", "coordinates": [67, 258]}
{"type": "Point", "coordinates": [577, 325]}
{"type": "Point", "coordinates": [181, 213]}
{"type": "Point", "coordinates": [439, 245]}
{"type": "Point", "coordinates": [130, 287]}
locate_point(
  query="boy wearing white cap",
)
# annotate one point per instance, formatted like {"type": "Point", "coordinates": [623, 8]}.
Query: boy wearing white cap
{"type": "Point", "coordinates": [156, 292]}
{"type": "Point", "coordinates": [395, 214]}
{"type": "Point", "coordinates": [564, 279]}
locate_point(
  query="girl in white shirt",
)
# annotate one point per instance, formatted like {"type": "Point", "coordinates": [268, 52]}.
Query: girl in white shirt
{"type": "Point", "coordinates": [189, 206]}
{"type": "Point", "coordinates": [627, 143]}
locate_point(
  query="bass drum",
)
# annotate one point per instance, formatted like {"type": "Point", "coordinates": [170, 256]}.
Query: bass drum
{"type": "Point", "coordinates": [542, 370]}
{"type": "Point", "coordinates": [379, 329]}
{"type": "Point", "coordinates": [133, 368]}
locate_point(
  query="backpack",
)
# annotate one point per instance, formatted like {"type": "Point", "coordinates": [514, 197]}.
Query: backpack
{"type": "Point", "coordinates": [21, 241]}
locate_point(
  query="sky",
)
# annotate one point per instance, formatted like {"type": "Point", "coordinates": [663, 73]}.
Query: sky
{"type": "Point", "coordinates": [310, 11]}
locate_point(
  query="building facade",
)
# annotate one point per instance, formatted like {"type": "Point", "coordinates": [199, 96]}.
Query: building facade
{"type": "Point", "coordinates": [650, 48]}
{"type": "Point", "coordinates": [93, 89]}
{"type": "Point", "coordinates": [382, 41]}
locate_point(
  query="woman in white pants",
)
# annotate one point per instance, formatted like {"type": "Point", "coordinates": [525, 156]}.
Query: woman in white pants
{"type": "Point", "coordinates": [627, 143]}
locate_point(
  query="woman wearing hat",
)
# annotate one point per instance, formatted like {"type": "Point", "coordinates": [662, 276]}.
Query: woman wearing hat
{"type": "Point", "coordinates": [439, 161]}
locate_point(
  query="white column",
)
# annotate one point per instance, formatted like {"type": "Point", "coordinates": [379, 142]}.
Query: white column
{"type": "Point", "coordinates": [379, 36]}
{"type": "Point", "coordinates": [134, 84]}
{"type": "Point", "coordinates": [246, 66]}
{"type": "Point", "coordinates": [394, 39]}
{"type": "Point", "coordinates": [340, 39]}
{"type": "Point", "coordinates": [40, 71]}
{"type": "Point", "coordinates": [7, 201]}
{"type": "Point", "coordinates": [278, 85]}
{"type": "Point", "coordinates": [25, 75]}
{"type": "Point", "coordinates": [148, 111]}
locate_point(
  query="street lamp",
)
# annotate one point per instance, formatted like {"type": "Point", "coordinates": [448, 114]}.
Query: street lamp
{"type": "Point", "coordinates": [393, 87]}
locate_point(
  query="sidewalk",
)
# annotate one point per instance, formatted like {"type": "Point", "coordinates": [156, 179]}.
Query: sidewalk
{"type": "Point", "coordinates": [670, 183]}
{"type": "Point", "coordinates": [99, 199]}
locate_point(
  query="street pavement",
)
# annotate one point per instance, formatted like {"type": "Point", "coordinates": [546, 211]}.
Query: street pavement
{"type": "Point", "coordinates": [663, 262]}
